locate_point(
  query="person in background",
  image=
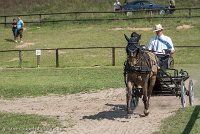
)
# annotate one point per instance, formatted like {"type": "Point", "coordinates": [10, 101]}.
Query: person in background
{"type": "Point", "coordinates": [20, 26]}
{"type": "Point", "coordinates": [14, 29]}
{"type": "Point", "coordinates": [172, 5]}
{"type": "Point", "coordinates": [117, 5]}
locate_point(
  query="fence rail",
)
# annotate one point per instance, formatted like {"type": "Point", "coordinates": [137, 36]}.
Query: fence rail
{"type": "Point", "coordinates": [113, 53]}
{"type": "Point", "coordinates": [40, 16]}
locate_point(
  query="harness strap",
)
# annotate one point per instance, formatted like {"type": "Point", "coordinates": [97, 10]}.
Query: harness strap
{"type": "Point", "coordinates": [165, 42]}
{"type": "Point", "coordinates": [125, 72]}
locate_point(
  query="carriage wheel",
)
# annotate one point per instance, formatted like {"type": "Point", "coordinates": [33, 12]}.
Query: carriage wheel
{"type": "Point", "coordinates": [191, 93]}
{"type": "Point", "coordinates": [134, 102]}
{"type": "Point", "coordinates": [183, 94]}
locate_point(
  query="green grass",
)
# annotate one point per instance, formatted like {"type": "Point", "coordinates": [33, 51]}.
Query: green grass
{"type": "Point", "coordinates": [37, 82]}
{"type": "Point", "coordinates": [11, 123]}
{"type": "Point", "coordinates": [46, 6]}
{"type": "Point", "coordinates": [185, 121]}
{"type": "Point", "coordinates": [94, 34]}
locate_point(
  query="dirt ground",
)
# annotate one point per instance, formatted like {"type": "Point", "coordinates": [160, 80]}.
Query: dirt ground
{"type": "Point", "coordinates": [101, 112]}
{"type": "Point", "coordinates": [184, 26]}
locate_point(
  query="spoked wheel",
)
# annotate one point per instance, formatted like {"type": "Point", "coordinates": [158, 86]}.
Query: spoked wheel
{"type": "Point", "coordinates": [191, 93]}
{"type": "Point", "coordinates": [183, 94]}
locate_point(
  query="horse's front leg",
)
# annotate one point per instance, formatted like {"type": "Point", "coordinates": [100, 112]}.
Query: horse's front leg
{"type": "Point", "coordinates": [150, 88]}
{"type": "Point", "coordinates": [145, 98]}
{"type": "Point", "coordinates": [129, 96]}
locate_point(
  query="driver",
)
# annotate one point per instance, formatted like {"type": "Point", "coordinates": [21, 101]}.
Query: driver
{"type": "Point", "coordinates": [162, 46]}
{"type": "Point", "coordinates": [160, 43]}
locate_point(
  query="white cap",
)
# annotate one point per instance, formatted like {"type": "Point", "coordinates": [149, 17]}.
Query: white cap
{"type": "Point", "coordinates": [158, 27]}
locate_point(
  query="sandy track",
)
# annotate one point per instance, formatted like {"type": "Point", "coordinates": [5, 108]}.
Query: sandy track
{"type": "Point", "coordinates": [102, 112]}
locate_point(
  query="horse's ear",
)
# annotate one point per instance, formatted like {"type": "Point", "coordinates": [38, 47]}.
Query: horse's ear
{"type": "Point", "coordinates": [126, 37]}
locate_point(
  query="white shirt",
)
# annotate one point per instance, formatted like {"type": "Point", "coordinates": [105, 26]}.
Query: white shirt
{"type": "Point", "coordinates": [158, 44]}
{"type": "Point", "coordinates": [117, 5]}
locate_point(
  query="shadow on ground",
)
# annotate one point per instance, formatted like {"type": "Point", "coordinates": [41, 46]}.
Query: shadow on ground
{"type": "Point", "coordinates": [117, 111]}
{"type": "Point", "coordinates": [9, 40]}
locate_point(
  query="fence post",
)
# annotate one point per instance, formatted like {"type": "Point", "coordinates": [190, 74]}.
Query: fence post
{"type": "Point", "coordinates": [113, 56]}
{"type": "Point", "coordinates": [5, 20]}
{"type": "Point", "coordinates": [38, 60]}
{"type": "Point", "coordinates": [20, 58]}
{"type": "Point", "coordinates": [40, 17]}
{"type": "Point", "coordinates": [38, 53]}
{"type": "Point", "coordinates": [190, 14]}
{"type": "Point", "coordinates": [57, 58]}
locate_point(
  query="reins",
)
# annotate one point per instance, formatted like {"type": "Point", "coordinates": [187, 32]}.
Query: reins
{"type": "Point", "coordinates": [143, 69]}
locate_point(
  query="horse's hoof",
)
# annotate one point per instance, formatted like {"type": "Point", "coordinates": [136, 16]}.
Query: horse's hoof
{"type": "Point", "coordinates": [146, 112]}
{"type": "Point", "coordinates": [128, 116]}
{"type": "Point", "coordinates": [129, 111]}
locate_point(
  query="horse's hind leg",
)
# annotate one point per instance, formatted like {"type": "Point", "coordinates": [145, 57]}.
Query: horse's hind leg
{"type": "Point", "coordinates": [149, 91]}
{"type": "Point", "coordinates": [151, 86]}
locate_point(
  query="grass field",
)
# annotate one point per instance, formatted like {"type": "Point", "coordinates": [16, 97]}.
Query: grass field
{"type": "Point", "coordinates": [37, 82]}
{"type": "Point", "coordinates": [66, 35]}
{"type": "Point", "coordinates": [46, 6]}
{"type": "Point", "coordinates": [21, 124]}
{"type": "Point", "coordinates": [186, 121]}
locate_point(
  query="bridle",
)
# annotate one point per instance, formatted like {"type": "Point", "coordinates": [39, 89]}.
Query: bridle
{"type": "Point", "coordinates": [139, 55]}
{"type": "Point", "coordinates": [136, 51]}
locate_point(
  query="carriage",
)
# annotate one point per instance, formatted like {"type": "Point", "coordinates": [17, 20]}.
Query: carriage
{"type": "Point", "coordinates": [169, 81]}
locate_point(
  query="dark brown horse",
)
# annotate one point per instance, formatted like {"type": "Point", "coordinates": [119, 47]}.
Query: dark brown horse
{"type": "Point", "coordinates": [140, 70]}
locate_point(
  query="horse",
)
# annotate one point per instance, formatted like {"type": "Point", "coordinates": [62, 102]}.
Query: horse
{"type": "Point", "coordinates": [140, 70]}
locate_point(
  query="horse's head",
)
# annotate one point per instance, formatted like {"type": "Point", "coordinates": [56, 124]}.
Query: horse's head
{"type": "Point", "coordinates": [133, 47]}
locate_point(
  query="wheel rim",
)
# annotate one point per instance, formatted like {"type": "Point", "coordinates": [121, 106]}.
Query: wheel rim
{"type": "Point", "coordinates": [183, 94]}
{"type": "Point", "coordinates": [191, 93]}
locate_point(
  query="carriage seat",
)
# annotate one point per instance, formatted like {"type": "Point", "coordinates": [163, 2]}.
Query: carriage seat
{"type": "Point", "coordinates": [165, 61]}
